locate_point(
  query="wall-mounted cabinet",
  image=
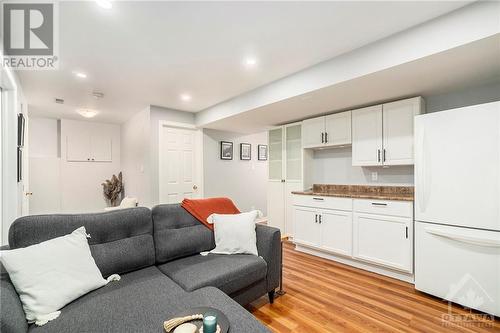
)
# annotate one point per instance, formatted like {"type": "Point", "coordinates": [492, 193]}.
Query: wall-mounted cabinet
{"type": "Point", "coordinates": [383, 134]}
{"type": "Point", "coordinates": [327, 131]}
{"type": "Point", "coordinates": [89, 142]}
{"type": "Point", "coordinates": [285, 174]}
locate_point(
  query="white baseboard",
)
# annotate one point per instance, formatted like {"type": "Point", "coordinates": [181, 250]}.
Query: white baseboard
{"type": "Point", "coordinates": [358, 264]}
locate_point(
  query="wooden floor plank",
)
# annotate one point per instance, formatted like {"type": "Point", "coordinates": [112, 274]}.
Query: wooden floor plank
{"type": "Point", "coordinates": [326, 296]}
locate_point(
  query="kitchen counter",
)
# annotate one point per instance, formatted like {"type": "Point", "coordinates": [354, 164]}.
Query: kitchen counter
{"type": "Point", "coordinates": [402, 193]}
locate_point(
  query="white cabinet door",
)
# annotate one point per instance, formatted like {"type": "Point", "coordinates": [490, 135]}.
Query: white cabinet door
{"type": "Point", "coordinates": [398, 131]}
{"type": "Point", "coordinates": [384, 240]}
{"type": "Point", "coordinates": [78, 146]}
{"type": "Point", "coordinates": [338, 129]}
{"type": "Point", "coordinates": [276, 205]}
{"type": "Point", "coordinates": [275, 163]}
{"type": "Point", "coordinates": [290, 186]}
{"type": "Point", "coordinates": [313, 131]}
{"type": "Point", "coordinates": [101, 147]}
{"type": "Point", "coordinates": [336, 231]}
{"type": "Point", "coordinates": [307, 227]}
{"type": "Point", "coordinates": [367, 136]}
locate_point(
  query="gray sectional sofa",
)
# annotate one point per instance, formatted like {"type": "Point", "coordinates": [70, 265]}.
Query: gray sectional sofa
{"type": "Point", "coordinates": [156, 252]}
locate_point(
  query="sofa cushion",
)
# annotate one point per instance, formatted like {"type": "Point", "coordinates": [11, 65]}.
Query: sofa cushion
{"type": "Point", "coordinates": [121, 241]}
{"type": "Point", "coordinates": [140, 302]}
{"type": "Point", "coordinates": [229, 273]}
{"type": "Point", "coordinates": [178, 234]}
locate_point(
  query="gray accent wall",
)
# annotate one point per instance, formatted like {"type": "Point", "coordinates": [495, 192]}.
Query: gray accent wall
{"type": "Point", "coordinates": [245, 182]}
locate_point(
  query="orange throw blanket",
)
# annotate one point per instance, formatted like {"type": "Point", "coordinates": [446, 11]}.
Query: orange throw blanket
{"type": "Point", "coordinates": [203, 208]}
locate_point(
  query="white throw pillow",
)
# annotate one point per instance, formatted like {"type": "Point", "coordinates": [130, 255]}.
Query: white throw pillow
{"type": "Point", "coordinates": [51, 274]}
{"type": "Point", "coordinates": [235, 233]}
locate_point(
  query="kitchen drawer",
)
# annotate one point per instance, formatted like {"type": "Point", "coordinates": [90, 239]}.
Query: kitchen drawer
{"type": "Point", "coordinates": [322, 202]}
{"type": "Point", "coordinates": [384, 207]}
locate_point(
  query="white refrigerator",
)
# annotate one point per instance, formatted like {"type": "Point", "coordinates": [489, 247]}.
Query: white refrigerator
{"type": "Point", "coordinates": [457, 206]}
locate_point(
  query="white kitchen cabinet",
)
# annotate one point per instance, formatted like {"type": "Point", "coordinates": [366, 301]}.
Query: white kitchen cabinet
{"type": "Point", "coordinates": [367, 136]}
{"type": "Point", "coordinates": [313, 132]}
{"type": "Point", "coordinates": [331, 130]}
{"type": "Point", "coordinates": [285, 175]}
{"type": "Point", "coordinates": [88, 142]}
{"type": "Point", "coordinates": [383, 134]}
{"type": "Point", "coordinates": [376, 235]}
{"type": "Point", "coordinates": [383, 240]}
{"type": "Point", "coordinates": [307, 228]}
{"type": "Point", "coordinates": [338, 129]}
{"type": "Point", "coordinates": [398, 131]}
{"type": "Point", "coordinates": [336, 231]}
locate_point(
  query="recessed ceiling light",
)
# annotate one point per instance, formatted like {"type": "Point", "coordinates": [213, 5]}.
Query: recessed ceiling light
{"type": "Point", "coordinates": [250, 62]}
{"type": "Point", "coordinates": [106, 4]}
{"type": "Point", "coordinates": [80, 75]}
{"type": "Point", "coordinates": [185, 97]}
{"type": "Point", "coordinates": [87, 113]}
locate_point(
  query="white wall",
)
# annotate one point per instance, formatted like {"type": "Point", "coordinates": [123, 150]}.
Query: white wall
{"type": "Point", "coordinates": [245, 182]}
{"type": "Point", "coordinates": [334, 166]}
{"type": "Point", "coordinates": [60, 186]}
{"type": "Point", "coordinates": [45, 165]}
{"type": "Point", "coordinates": [135, 157]}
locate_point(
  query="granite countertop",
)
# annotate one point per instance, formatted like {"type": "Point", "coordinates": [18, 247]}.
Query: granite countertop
{"type": "Point", "coordinates": [403, 193]}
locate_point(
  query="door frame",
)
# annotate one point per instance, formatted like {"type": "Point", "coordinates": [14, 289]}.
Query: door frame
{"type": "Point", "coordinates": [198, 145]}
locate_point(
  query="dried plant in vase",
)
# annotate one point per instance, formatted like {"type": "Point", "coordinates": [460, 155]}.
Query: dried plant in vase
{"type": "Point", "coordinates": [112, 189]}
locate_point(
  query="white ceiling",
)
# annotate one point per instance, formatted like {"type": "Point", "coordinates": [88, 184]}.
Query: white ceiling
{"type": "Point", "coordinates": [470, 65]}
{"type": "Point", "coordinates": [148, 53]}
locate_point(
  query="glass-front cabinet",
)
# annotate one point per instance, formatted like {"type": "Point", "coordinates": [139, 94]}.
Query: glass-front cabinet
{"type": "Point", "coordinates": [285, 175]}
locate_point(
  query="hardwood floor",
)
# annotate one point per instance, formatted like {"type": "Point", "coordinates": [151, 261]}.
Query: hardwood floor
{"type": "Point", "coordinates": [325, 296]}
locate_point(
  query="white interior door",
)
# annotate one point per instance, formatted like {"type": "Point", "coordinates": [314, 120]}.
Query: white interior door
{"type": "Point", "coordinates": [179, 165]}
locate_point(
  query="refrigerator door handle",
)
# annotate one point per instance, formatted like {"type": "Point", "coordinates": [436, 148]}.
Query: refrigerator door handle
{"type": "Point", "coordinates": [464, 239]}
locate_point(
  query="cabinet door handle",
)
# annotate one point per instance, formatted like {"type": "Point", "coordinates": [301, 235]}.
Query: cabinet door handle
{"type": "Point", "coordinates": [384, 156]}
{"type": "Point", "coordinates": [315, 218]}
{"type": "Point", "coordinates": [378, 155]}
{"type": "Point", "coordinates": [379, 204]}
{"type": "Point", "coordinates": [406, 231]}
{"type": "Point", "coordinates": [326, 137]}
{"type": "Point", "coordinates": [320, 219]}
{"type": "Point", "coordinates": [318, 199]}
{"type": "Point", "coordinates": [88, 159]}
{"type": "Point", "coordinates": [322, 137]}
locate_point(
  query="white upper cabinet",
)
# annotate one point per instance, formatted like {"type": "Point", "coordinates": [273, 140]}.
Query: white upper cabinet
{"type": "Point", "coordinates": [367, 136]}
{"type": "Point", "coordinates": [398, 131]}
{"type": "Point", "coordinates": [338, 129]}
{"type": "Point", "coordinates": [88, 142]}
{"type": "Point", "coordinates": [313, 132]}
{"type": "Point", "coordinates": [332, 130]}
{"type": "Point", "coordinates": [383, 134]}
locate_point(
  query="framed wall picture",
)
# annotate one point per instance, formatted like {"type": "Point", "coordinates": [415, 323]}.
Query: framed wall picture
{"type": "Point", "coordinates": [245, 151]}
{"type": "Point", "coordinates": [226, 150]}
{"type": "Point", "coordinates": [262, 152]}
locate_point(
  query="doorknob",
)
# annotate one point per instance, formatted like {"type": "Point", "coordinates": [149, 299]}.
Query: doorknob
{"type": "Point", "coordinates": [28, 194]}
{"type": "Point", "coordinates": [195, 187]}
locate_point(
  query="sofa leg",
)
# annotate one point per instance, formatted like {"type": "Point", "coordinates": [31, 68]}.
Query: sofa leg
{"type": "Point", "coordinates": [271, 296]}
